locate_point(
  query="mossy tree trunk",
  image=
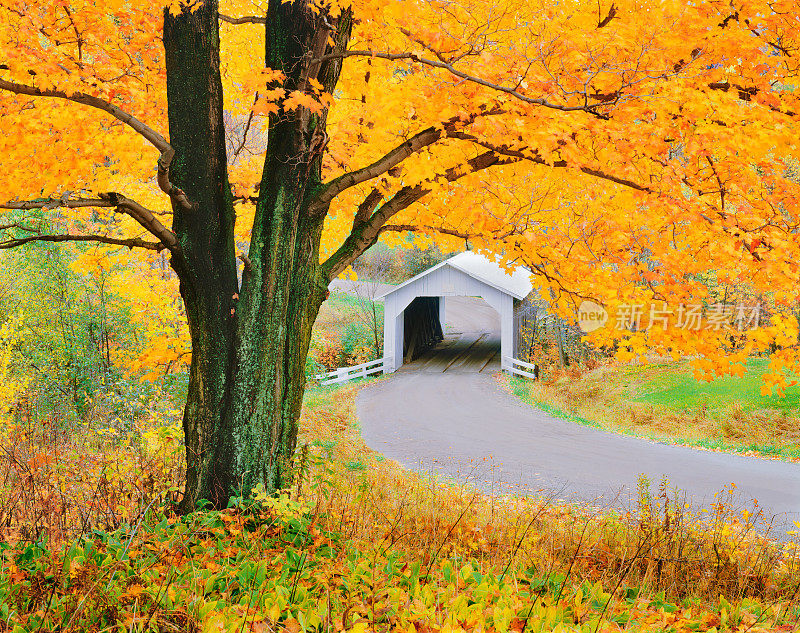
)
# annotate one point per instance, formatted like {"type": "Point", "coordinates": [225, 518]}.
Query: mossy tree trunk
{"type": "Point", "coordinates": [249, 343]}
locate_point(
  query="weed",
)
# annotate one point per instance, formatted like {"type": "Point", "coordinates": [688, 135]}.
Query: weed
{"type": "Point", "coordinates": [376, 548]}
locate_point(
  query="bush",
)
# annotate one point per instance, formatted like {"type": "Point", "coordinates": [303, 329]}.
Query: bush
{"type": "Point", "coordinates": [356, 337]}
{"type": "Point", "coordinates": [328, 354]}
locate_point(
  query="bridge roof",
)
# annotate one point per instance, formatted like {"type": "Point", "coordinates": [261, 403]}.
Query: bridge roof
{"type": "Point", "coordinates": [517, 283]}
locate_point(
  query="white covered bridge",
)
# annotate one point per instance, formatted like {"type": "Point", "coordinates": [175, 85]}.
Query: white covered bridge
{"type": "Point", "coordinates": [414, 312]}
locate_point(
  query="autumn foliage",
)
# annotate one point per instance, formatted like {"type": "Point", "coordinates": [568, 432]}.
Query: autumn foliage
{"type": "Point", "coordinates": [360, 545]}
{"type": "Point", "coordinates": [630, 153]}
{"type": "Point", "coordinates": [627, 152]}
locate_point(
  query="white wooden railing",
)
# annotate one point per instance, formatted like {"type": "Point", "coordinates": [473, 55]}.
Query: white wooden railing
{"type": "Point", "coordinates": [343, 374]}
{"type": "Point", "coordinates": [520, 368]}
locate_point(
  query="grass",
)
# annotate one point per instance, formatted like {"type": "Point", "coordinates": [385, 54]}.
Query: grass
{"type": "Point", "coordinates": [676, 388]}
{"type": "Point", "coordinates": [334, 314]}
{"type": "Point", "coordinates": [360, 545]}
{"type": "Point", "coordinates": [664, 402]}
{"type": "Point", "coordinates": [346, 330]}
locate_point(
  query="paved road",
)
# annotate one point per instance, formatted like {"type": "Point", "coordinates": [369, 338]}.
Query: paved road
{"type": "Point", "coordinates": [470, 314]}
{"type": "Point", "coordinates": [367, 289]}
{"type": "Point", "coordinates": [461, 423]}
{"type": "Point", "coordinates": [466, 426]}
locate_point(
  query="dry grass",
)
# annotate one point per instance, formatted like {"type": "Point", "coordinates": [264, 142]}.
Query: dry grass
{"type": "Point", "coordinates": [662, 545]}
{"type": "Point", "coordinates": [59, 481]}
{"type": "Point", "coordinates": [606, 397]}
{"type": "Point", "coordinates": [387, 514]}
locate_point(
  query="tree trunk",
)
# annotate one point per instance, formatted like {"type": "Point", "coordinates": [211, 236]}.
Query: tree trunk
{"type": "Point", "coordinates": [249, 344]}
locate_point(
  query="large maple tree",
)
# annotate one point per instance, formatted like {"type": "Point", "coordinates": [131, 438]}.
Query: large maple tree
{"type": "Point", "coordinates": [625, 151]}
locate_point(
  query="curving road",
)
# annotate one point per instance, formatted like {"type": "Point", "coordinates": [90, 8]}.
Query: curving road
{"type": "Point", "coordinates": [447, 414]}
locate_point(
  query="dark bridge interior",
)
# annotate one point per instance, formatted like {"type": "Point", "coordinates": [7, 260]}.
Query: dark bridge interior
{"type": "Point", "coordinates": [470, 342]}
{"type": "Point", "coordinates": [421, 326]}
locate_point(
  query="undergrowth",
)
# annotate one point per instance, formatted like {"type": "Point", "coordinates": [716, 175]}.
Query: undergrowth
{"type": "Point", "coordinates": [358, 544]}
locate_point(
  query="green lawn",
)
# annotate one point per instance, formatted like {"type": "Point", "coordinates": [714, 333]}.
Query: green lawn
{"type": "Point", "coordinates": [677, 389]}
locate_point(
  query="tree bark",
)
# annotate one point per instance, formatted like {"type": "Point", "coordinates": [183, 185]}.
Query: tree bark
{"type": "Point", "coordinates": [249, 344]}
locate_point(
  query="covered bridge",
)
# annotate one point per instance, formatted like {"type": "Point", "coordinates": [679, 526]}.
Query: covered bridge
{"type": "Point", "coordinates": [414, 311]}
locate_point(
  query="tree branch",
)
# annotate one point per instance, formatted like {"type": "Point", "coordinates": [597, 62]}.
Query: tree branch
{"type": "Point", "coordinates": [533, 156]}
{"type": "Point", "coordinates": [419, 141]}
{"type": "Point", "coordinates": [412, 228]}
{"type": "Point", "coordinates": [366, 233]}
{"type": "Point", "coordinates": [247, 19]}
{"type": "Point", "coordinates": [774, 45]}
{"type": "Point", "coordinates": [367, 207]}
{"type": "Point", "coordinates": [115, 200]}
{"type": "Point", "coordinates": [16, 225]}
{"type": "Point", "coordinates": [745, 93]}
{"type": "Point", "coordinates": [153, 137]}
{"type": "Point", "coordinates": [589, 108]}
{"type": "Point", "coordinates": [243, 142]}
{"type": "Point", "coordinates": [144, 217]}
{"type": "Point", "coordinates": [612, 13]}
{"type": "Point", "coordinates": [381, 166]}
{"type": "Point", "coordinates": [55, 203]}
{"type": "Point", "coordinates": [133, 242]}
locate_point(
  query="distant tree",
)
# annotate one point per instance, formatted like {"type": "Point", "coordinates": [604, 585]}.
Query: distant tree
{"type": "Point", "coordinates": [374, 269]}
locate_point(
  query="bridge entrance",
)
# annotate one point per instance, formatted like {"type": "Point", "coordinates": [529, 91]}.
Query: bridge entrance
{"type": "Point", "coordinates": [470, 340]}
